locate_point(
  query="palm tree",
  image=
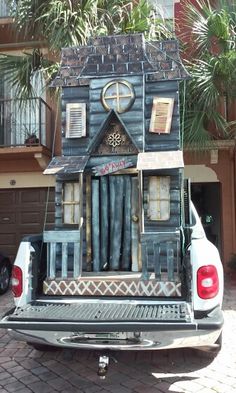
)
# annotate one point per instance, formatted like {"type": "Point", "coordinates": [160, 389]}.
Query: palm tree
{"type": "Point", "coordinates": [62, 23]}
{"type": "Point", "coordinates": [209, 47]}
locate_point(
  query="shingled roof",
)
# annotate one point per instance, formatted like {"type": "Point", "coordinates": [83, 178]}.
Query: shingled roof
{"type": "Point", "coordinates": [120, 55]}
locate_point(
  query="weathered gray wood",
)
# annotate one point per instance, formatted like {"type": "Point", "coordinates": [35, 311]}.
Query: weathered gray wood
{"type": "Point", "coordinates": [104, 221]}
{"type": "Point", "coordinates": [161, 253]}
{"type": "Point", "coordinates": [95, 161]}
{"type": "Point", "coordinates": [58, 203]}
{"type": "Point", "coordinates": [157, 261]}
{"type": "Point", "coordinates": [98, 115]}
{"type": "Point", "coordinates": [170, 260]}
{"type": "Point", "coordinates": [64, 260]}
{"type": "Point", "coordinates": [48, 261]}
{"type": "Point", "coordinates": [77, 260]}
{"type": "Point", "coordinates": [57, 243]}
{"type": "Point", "coordinates": [145, 256]}
{"type": "Point", "coordinates": [52, 260]}
{"type": "Point", "coordinates": [95, 225]}
{"type": "Point", "coordinates": [61, 236]}
{"type": "Point", "coordinates": [118, 223]}
{"type": "Point", "coordinates": [162, 142]}
{"type": "Point", "coordinates": [88, 224]}
{"type": "Point", "coordinates": [135, 224]}
{"type": "Point", "coordinates": [126, 254]}
{"type": "Point", "coordinates": [112, 196]}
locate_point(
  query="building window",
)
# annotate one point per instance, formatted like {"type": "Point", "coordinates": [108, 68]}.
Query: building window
{"type": "Point", "coordinates": [118, 95]}
{"type": "Point", "coordinates": [71, 203]}
{"type": "Point", "coordinates": [158, 198]}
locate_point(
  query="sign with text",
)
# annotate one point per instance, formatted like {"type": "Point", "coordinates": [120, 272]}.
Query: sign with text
{"type": "Point", "coordinates": [112, 166]}
{"type": "Point", "coordinates": [160, 160]}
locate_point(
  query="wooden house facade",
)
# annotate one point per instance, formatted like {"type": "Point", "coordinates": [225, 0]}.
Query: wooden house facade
{"type": "Point", "coordinates": [119, 181]}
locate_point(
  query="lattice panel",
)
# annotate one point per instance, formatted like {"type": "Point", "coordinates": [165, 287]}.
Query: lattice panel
{"type": "Point", "coordinates": [131, 287]}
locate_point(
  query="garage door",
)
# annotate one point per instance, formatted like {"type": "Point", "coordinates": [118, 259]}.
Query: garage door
{"type": "Point", "coordinates": [22, 212]}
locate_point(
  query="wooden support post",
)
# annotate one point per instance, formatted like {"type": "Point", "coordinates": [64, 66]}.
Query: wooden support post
{"type": "Point", "coordinates": [58, 203]}
{"type": "Point", "coordinates": [64, 260]}
{"type": "Point", "coordinates": [88, 224]}
{"type": "Point", "coordinates": [145, 274]}
{"type": "Point", "coordinates": [52, 259]}
{"type": "Point", "coordinates": [104, 221]}
{"type": "Point", "coordinates": [112, 215]}
{"type": "Point", "coordinates": [157, 260]}
{"type": "Point", "coordinates": [135, 224]}
{"type": "Point", "coordinates": [118, 223]}
{"type": "Point", "coordinates": [170, 261]}
{"type": "Point", "coordinates": [126, 254]}
{"type": "Point", "coordinates": [95, 225]}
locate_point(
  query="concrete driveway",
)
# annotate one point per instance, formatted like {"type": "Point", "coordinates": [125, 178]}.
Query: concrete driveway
{"type": "Point", "coordinates": [23, 369]}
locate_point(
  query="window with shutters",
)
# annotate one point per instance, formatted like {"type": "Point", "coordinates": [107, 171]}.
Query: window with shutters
{"type": "Point", "coordinates": [161, 118]}
{"type": "Point", "coordinates": [71, 203]}
{"type": "Point", "coordinates": [158, 198]}
{"type": "Point", "coordinates": [75, 120]}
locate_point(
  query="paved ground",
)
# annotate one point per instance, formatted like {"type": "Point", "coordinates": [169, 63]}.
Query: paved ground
{"type": "Point", "coordinates": [23, 369]}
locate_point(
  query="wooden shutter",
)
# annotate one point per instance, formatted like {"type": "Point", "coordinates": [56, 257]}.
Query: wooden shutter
{"type": "Point", "coordinates": [158, 198]}
{"type": "Point", "coordinates": [162, 111]}
{"type": "Point", "coordinates": [75, 120]}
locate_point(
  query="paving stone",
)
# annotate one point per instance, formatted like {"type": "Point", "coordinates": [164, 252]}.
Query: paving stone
{"type": "Point", "coordinates": [47, 376]}
{"type": "Point", "coordinates": [41, 387]}
{"type": "Point", "coordinates": [30, 379]}
{"type": "Point", "coordinates": [14, 387]}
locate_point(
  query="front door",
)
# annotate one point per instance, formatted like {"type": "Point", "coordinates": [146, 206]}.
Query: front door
{"type": "Point", "coordinates": [115, 223]}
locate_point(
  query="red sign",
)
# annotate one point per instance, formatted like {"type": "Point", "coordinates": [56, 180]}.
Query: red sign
{"type": "Point", "coordinates": [112, 166]}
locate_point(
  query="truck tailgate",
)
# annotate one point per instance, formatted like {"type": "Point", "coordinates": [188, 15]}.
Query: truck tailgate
{"type": "Point", "coordinates": [40, 315]}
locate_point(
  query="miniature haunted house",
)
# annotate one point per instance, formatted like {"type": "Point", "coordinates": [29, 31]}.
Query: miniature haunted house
{"type": "Point", "coordinates": [118, 220]}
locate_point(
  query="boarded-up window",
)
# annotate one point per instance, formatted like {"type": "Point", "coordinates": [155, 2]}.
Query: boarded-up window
{"type": "Point", "coordinates": [75, 120]}
{"type": "Point", "coordinates": [158, 198]}
{"type": "Point", "coordinates": [71, 203]}
{"type": "Point", "coordinates": [162, 111]}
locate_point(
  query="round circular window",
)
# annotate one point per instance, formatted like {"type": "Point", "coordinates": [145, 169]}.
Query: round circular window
{"type": "Point", "coordinates": [118, 95]}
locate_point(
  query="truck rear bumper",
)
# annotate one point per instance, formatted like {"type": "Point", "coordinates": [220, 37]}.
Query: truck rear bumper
{"type": "Point", "coordinates": [120, 340]}
{"type": "Point", "coordinates": [119, 335]}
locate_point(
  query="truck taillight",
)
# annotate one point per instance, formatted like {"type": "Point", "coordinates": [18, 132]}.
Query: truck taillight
{"type": "Point", "coordinates": [16, 281]}
{"type": "Point", "coordinates": [207, 282]}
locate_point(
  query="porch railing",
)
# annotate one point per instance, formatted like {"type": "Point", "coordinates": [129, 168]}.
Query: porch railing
{"type": "Point", "coordinates": [63, 253]}
{"type": "Point", "coordinates": [25, 122]}
{"type": "Point", "coordinates": [161, 255]}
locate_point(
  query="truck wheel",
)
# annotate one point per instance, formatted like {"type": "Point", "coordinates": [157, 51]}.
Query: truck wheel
{"type": "Point", "coordinates": [5, 275]}
{"type": "Point", "coordinates": [43, 347]}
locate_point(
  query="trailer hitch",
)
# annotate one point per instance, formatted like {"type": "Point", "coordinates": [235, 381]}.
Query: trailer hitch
{"type": "Point", "coordinates": [103, 363]}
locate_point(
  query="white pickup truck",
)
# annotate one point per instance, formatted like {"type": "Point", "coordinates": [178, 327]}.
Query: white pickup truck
{"type": "Point", "coordinates": [193, 320]}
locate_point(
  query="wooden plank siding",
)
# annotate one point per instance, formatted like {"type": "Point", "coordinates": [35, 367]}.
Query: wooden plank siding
{"type": "Point", "coordinates": [133, 118]}
{"type": "Point", "coordinates": [75, 146]}
{"type": "Point", "coordinates": [162, 142]}
{"type": "Point", "coordinates": [96, 114]}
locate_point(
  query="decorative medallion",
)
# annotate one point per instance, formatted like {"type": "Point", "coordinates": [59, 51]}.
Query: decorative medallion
{"type": "Point", "coordinates": [115, 141]}
{"type": "Point", "coordinates": [118, 95]}
{"type": "Point", "coordinates": [113, 138]}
